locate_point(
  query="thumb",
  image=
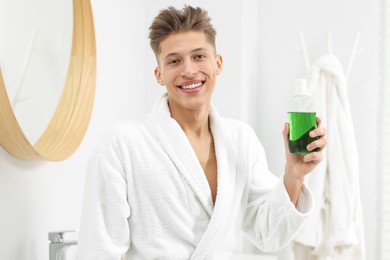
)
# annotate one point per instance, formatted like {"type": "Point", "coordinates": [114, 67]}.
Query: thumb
{"type": "Point", "coordinates": [286, 131]}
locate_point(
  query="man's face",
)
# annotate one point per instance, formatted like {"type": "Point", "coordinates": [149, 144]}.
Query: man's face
{"type": "Point", "coordinates": [188, 67]}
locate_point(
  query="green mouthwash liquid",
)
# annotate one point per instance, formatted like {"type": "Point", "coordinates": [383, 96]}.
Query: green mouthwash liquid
{"type": "Point", "coordinates": [301, 123]}
{"type": "Point", "coordinates": [301, 117]}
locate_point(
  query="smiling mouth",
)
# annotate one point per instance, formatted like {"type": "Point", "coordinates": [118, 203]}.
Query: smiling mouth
{"type": "Point", "coordinates": [191, 86]}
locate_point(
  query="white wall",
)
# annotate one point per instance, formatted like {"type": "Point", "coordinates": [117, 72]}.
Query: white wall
{"type": "Point", "coordinates": [278, 64]}
{"type": "Point", "coordinates": [38, 197]}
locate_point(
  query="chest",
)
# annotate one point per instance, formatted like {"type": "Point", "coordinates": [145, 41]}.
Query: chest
{"type": "Point", "coordinates": [205, 152]}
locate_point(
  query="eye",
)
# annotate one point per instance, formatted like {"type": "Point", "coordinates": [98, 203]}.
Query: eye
{"type": "Point", "coordinates": [200, 56]}
{"type": "Point", "coordinates": [173, 62]}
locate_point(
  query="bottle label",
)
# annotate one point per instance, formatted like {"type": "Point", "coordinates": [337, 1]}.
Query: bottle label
{"type": "Point", "coordinates": [300, 126]}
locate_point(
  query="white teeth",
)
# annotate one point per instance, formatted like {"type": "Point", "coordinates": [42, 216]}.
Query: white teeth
{"type": "Point", "coordinates": [192, 86]}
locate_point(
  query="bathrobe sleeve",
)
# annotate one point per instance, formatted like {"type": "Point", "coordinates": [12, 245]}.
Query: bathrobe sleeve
{"type": "Point", "coordinates": [271, 220]}
{"type": "Point", "coordinates": [104, 232]}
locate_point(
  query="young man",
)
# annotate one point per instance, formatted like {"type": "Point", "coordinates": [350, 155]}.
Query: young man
{"type": "Point", "coordinates": [181, 182]}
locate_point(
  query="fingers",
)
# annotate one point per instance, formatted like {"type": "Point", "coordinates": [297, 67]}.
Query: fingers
{"type": "Point", "coordinates": [319, 143]}
{"type": "Point", "coordinates": [318, 132]}
{"type": "Point", "coordinates": [315, 157]}
{"type": "Point", "coordinates": [318, 120]}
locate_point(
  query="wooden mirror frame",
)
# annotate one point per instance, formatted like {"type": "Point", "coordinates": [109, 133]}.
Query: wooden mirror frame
{"type": "Point", "coordinates": [71, 118]}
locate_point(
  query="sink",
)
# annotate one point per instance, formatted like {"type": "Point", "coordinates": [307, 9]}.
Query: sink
{"type": "Point", "coordinates": [253, 257]}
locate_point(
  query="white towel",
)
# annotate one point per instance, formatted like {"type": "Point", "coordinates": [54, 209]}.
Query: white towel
{"type": "Point", "coordinates": [335, 230]}
{"type": "Point", "coordinates": [147, 196]}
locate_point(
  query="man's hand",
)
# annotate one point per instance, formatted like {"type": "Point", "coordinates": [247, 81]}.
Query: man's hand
{"type": "Point", "coordinates": [298, 165]}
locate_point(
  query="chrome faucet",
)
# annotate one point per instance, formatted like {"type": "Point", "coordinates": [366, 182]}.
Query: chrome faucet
{"type": "Point", "coordinates": [58, 245]}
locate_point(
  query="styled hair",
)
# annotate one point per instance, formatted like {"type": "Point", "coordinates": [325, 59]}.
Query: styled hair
{"type": "Point", "coordinates": [171, 20]}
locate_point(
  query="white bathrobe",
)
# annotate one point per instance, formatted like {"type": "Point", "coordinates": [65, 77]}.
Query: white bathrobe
{"type": "Point", "coordinates": [335, 229]}
{"type": "Point", "coordinates": [147, 197]}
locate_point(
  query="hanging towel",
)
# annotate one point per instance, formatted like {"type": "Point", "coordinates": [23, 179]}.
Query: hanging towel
{"type": "Point", "coordinates": [335, 229]}
{"type": "Point", "coordinates": [147, 196]}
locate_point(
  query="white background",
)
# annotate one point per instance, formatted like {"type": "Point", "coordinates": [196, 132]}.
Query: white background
{"type": "Point", "coordinates": [258, 40]}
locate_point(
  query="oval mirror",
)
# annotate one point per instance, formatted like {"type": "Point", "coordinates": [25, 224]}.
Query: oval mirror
{"type": "Point", "coordinates": [34, 57]}
{"type": "Point", "coordinates": [47, 76]}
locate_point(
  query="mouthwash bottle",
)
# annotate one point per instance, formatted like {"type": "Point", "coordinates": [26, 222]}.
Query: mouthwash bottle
{"type": "Point", "coordinates": [301, 117]}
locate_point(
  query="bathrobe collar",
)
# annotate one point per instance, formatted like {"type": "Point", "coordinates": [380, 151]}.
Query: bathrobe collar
{"type": "Point", "coordinates": [179, 149]}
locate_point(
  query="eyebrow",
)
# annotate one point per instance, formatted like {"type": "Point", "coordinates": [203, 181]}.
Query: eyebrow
{"type": "Point", "coordinates": [192, 51]}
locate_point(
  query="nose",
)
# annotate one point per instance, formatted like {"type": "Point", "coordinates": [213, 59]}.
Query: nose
{"type": "Point", "coordinates": [189, 68]}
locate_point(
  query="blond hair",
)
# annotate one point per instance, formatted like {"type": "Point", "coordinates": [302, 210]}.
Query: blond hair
{"type": "Point", "coordinates": [171, 20]}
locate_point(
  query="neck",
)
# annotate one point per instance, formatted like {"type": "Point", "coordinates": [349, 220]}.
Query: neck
{"type": "Point", "coordinates": [194, 122]}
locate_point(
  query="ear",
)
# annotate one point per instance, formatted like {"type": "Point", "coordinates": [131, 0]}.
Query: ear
{"type": "Point", "coordinates": [157, 75]}
{"type": "Point", "coordinates": [219, 64]}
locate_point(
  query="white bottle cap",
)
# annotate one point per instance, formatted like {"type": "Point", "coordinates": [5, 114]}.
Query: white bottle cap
{"type": "Point", "coordinates": [300, 87]}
